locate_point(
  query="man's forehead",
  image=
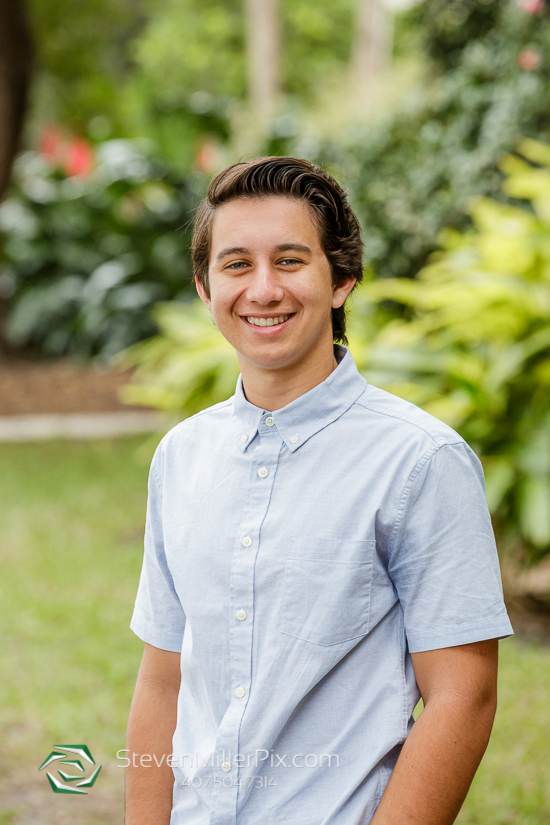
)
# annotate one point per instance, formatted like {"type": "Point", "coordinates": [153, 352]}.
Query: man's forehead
{"type": "Point", "coordinates": [278, 223]}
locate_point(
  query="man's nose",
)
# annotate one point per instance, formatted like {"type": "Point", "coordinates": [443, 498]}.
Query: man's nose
{"type": "Point", "coordinates": [265, 286]}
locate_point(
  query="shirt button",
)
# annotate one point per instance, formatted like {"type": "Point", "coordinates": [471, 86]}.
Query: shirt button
{"type": "Point", "coordinates": [293, 439]}
{"type": "Point", "coordinates": [226, 766]}
{"type": "Point", "coordinates": [263, 472]}
{"type": "Point", "coordinates": [241, 615]}
{"type": "Point", "coordinates": [247, 541]}
{"type": "Point", "coordinates": [240, 692]}
{"type": "Point", "coordinates": [244, 438]}
{"type": "Point", "coordinates": [270, 421]}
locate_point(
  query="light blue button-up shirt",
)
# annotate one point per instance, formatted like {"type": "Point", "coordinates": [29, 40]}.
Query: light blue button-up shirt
{"type": "Point", "coordinates": [296, 558]}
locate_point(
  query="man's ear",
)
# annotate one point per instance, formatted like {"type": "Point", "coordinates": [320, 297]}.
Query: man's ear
{"type": "Point", "coordinates": [341, 292]}
{"type": "Point", "coordinates": [202, 294]}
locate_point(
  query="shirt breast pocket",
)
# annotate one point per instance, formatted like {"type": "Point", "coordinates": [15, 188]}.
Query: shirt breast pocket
{"type": "Point", "coordinates": [327, 589]}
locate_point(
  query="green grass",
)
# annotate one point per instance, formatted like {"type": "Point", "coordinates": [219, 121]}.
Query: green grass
{"type": "Point", "coordinates": [71, 531]}
{"type": "Point", "coordinates": [71, 525]}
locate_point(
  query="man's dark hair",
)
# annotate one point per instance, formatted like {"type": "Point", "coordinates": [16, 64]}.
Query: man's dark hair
{"type": "Point", "coordinates": [339, 230]}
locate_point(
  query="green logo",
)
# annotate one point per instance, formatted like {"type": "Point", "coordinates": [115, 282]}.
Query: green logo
{"type": "Point", "coordinates": [65, 755]}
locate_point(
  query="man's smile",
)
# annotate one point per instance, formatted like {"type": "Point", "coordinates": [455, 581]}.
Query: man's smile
{"type": "Point", "coordinates": [267, 320]}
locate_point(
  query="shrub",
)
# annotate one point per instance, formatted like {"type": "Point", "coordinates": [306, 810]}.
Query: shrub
{"type": "Point", "coordinates": [85, 257]}
{"type": "Point", "coordinates": [415, 172]}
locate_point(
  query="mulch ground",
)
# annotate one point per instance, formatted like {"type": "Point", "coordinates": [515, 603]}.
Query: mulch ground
{"type": "Point", "coordinates": [60, 386]}
{"type": "Point", "coordinates": [531, 622]}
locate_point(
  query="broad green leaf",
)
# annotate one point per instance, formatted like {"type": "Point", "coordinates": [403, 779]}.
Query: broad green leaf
{"type": "Point", "coordinates": [499, 477]}
{"type": "Point", "coordinates": [534, 509]}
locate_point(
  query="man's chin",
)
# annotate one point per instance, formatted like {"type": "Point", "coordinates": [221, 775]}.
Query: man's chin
{"type": "Point", "coordinates": [267, 360]}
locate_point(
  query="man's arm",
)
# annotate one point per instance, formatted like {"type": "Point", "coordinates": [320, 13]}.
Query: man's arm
{"type": "Point", "coordinates": [444, 748]}
{"type": "Point", "coordinates": [151, 726]}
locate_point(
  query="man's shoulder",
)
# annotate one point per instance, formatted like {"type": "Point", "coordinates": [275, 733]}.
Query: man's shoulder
{"type": "Point", "coordinates": [403, 419]}
{"type": "Point", "coordinates": [194, 427]}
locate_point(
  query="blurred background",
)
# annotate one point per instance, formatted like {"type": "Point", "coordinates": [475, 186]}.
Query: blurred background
{"type": "Point", "coordinates": [114, 115]}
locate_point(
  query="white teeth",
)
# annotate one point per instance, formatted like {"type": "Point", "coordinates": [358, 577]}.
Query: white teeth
{"type": "Point", "coordinates": [267, 322]}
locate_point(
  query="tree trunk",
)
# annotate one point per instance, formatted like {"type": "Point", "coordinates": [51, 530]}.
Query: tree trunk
{"type": "Point", "coordinates": [15, 75]}
{"type": "Point", "coordinates": [372, 51]}
{"type": "Point", "coordinates": [263, 57]}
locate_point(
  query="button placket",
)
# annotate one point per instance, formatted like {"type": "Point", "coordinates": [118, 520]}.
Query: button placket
{"type": "Point", "coordinates": [263, 454]}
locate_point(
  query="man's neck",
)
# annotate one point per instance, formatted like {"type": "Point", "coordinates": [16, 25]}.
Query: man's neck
{"type": "Point", "coordinates": [273, 389]}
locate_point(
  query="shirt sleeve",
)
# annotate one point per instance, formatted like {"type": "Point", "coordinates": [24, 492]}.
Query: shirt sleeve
{"type": "Point", "coordinates": [443, 559]}
{"type": "Point", "coordinates": [158, 616]}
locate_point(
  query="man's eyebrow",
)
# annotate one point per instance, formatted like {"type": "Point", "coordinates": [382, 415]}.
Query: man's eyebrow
{"type": "Point", "coordinates": [233, 250]}
{"type": "Point", "coordinates": [288, 247]}
{"type": "Point", "coordinates": [282, 247]}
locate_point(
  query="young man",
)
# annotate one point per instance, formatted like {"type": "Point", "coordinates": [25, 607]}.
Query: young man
{"type": "Point", "coordinates": [318, 555]}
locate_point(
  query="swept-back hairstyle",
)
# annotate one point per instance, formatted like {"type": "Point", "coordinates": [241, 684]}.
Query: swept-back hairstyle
{"type": "Point", "coordinates": [338, 227]}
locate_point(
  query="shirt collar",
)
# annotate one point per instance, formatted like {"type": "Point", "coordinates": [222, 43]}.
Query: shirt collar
{"type": "Point", "coordinates": [306, 415]}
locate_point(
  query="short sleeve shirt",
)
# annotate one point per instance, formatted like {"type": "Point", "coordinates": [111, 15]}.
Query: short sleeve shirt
{"type": "Point", "coordinates": [296, 558]}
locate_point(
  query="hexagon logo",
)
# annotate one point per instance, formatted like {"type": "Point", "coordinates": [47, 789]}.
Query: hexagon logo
{"type": "Point", "coordinates": [71, 756]}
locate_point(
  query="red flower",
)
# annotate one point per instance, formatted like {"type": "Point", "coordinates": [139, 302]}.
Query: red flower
{"type": "Point", "coordinates": [73, 155]}
{"type": "Point", "coordinates": [531, 6]}
{"type": "Point", "coordinates": [207, 158]}
{"type": "Point", "coordinates": [51, 144]}
{"type": "Point", "coordinates": [79, 158]}
{"type": "Point", "coordinates": [529, 60]}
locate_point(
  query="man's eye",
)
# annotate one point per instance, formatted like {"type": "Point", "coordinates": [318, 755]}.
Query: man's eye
{"type": "Point", "coordinates": [290, 261]}
{"type": "Point", "coordinates": [236, 265]}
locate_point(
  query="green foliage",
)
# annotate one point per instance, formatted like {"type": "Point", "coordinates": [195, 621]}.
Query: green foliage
{"type": "Point", "coordinates": [177, 124]}
{"type": "Point", "coordinates": [193, 45]}
{"type": "Point", "coordinates": [415, 172]}
{"type": "Point", "coordinates": [449, 25]}
{"type": "Point", "coordinates": [86, 257]}
{"type": "Point", "coordinates": [473, 349]}
{"type": "Point", "coordinates": [98, 76]}
{"type": "Point", "coordinates": [171, 70]}
{"type": "Point", "coordinates": [316, 42]}
{"type": "Point", "coordinates": [81, 57]}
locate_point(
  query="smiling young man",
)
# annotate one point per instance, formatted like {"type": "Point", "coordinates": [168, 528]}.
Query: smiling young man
{"type": "Point", "coordinates": [318, 555]}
